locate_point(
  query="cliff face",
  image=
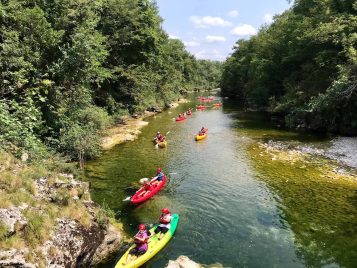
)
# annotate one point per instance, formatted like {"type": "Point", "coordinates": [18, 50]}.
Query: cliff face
{"type": "Point", "coordinates": [51, 221]}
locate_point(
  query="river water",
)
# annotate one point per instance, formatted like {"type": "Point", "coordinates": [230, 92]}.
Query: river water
{"type": "Point", "coordinates": [237, 206]}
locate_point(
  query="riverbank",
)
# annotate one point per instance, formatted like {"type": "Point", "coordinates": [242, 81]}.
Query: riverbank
{"type": "Point", "coordinates": [130, 127]}
{"type": "Point", "coordinates": [48, 219]}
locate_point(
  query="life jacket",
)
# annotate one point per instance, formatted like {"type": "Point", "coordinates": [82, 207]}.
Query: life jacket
{"type": "Point", "coordinates": [163, 219]}
{"type": "Point", "coordinates": [147, 187]}
{"type": "Point", "coordinates": [142, 235]}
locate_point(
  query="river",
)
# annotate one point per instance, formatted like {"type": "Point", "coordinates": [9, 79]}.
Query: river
{"type": "Point", "coordinates": [239, 205]}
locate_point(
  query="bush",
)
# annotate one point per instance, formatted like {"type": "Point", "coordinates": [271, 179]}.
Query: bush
{"type": "Point", "coordinates": [61, 197]}
{"type": "Point", "coordinates": [104, 214]}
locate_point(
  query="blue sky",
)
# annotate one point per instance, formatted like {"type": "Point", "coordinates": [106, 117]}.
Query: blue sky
{"type": "Point", "coordinates": [210, 28]}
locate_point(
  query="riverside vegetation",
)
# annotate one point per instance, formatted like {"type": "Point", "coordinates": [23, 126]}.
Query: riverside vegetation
{"type": "Point", "coordinates": [70, 69]}
{"type": "Point", "coordinates": [303, 67]}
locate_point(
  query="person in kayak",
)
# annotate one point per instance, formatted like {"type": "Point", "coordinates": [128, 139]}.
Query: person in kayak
{"type": "Point", "coordinates": [141, 241]}
{"type": "Point", "coordinates": [164, 226]}
{"type": "Point", "coordinates": [159, 177]}
{"type": "Point", "coordinates": [202, 131]}
{"type": "Point", "coordinates": [159, 137]}
{"type": "Point", "coordinates": [147, 187]}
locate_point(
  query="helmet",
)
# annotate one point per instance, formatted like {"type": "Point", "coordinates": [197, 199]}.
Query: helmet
{"type": "Point", "coordinates": [142, 227]}
{"type": "Point", "coordinates": [158, 132]}
{"type": "Point", "coordinates": [159, 170]}
{"type": "Point", "coordinates": [165, 210]}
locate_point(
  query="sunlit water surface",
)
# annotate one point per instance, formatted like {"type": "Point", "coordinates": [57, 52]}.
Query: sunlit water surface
{"type": "Point", "coordinates": [229, 213]}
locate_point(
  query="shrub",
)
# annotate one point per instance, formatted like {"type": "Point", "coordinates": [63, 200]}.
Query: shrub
{"type": "Point", "coordinates": [61, 197]}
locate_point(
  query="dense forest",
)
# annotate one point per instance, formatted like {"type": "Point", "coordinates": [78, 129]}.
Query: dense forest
{"type": "Point", "coordinates": [70, 68]}
{"type": "Point", "coordinates": [303, 67]}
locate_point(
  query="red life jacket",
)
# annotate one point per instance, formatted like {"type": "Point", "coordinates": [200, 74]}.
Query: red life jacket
{"type": "Point", "coordinates": [163, 220]}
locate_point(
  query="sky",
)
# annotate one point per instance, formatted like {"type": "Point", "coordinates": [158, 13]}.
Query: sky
{"type": "Point", "coordinates": [210, 28]}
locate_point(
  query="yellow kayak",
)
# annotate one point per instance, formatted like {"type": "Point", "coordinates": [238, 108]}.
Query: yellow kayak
{"type": "Point", "coordinates": [162, 144]}
{"type": "Point", "coordinates": [201, 137]}
{"type": "Point", "coordinates": [154, 244]}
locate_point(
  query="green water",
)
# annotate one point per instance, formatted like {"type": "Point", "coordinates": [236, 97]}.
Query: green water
{"type": "Point", "coordinates": [237, 207]}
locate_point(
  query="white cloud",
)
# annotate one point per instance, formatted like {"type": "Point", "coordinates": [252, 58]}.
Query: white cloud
{"type": "Point", "coordinates": [268, 18]}
{"type": "Point", "coordinates": [192, 44]}
{"type": "Point", "coordinates": [208, 21]}
{"type": "Point", "coordinates": [244, 30]}
{"type": "Point", "coordinates": [210, 54]}
{"type": "Point", "coordinates": [173, 36]}
{"type": "Point", "coordinates": [215, 38]}
{"type": "Point", "coordinates": [233, 13]}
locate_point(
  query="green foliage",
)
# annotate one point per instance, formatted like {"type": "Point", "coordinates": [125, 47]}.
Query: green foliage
{"type": "Point", "coordinates": [103, 215]}
{"type": "Point", "coordinates": [298, 64]}
{"type": "Point", "coordinates": [61, 197]}
{"type": "Point", "coordinates": [3, 230]}
{"type": "Point", "coordinates": [68, 66]}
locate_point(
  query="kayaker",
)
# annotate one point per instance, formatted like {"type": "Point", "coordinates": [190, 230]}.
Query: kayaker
{"type": "Point", "coordinates": [147, 186]}
{"type": "Point", "coordinates": [159, 175]}
{"type": "Point", "coordinates": [164, 226]}
{"type": "Point", "coordinates": [202, 131]}
{"type": "Point", "coordinates": [141, 241]}
{"type": "Point", "coordinates": [159, 137]}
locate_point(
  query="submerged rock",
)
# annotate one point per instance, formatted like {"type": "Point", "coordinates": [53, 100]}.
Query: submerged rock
{"type": "Point", "coordinates": [185, 262]}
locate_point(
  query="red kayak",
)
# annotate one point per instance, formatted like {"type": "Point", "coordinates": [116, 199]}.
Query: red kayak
{"type": "Point", "coordinates": [189, 113]}
{"type": "Point", "coordinates": [201, 107]}
{"type": "Point", "coordinates": [178, 119]}
{"type": "Point", "coordinates": [142, 195]}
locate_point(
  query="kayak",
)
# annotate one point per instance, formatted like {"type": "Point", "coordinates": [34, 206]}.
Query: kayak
{"type": "Point", "coordinates": [154, 246]}
{"type": "Point", "coordinates": [217, 105]}
{"type": "Point", "coordinates": [162, 144]}
{"type": "Point", "coordinates": [179, 119]}
{"type": "Point", "coordinates": [202, 137]}
{"type": "Point", "coordinates": [201, 107]}
{"type": "Point", "coordinates": [142, 195]}
{"type": "Point", "coordinates": [189, 113]}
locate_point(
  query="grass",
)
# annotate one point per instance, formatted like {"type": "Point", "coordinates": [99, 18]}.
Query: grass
{"type": "Point", "coordinates": [3, 230]}
{"type": "Point", "coordinates": [78, 212]}
{"type": "Point", "coordinates": [17, 187]}
{"type": "Point", "coordinates": [38, 228]}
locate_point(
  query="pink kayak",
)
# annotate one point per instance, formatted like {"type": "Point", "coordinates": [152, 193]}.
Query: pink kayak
{"type": "Point", "coordinates": [142, 195]}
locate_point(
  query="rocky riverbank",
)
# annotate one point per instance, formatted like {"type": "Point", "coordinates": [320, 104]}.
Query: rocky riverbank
{"type": "Point", "coordinates": [130, 126]}
{"type": "Point", "coordinates": [47, 219]}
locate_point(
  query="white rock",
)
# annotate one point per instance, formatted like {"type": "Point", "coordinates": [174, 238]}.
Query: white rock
{"type": "Point", "coordinates": [11, 216]}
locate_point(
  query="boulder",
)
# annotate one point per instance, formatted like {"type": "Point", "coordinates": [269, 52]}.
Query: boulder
{"type": "Point", "coordinates": [12, 218]}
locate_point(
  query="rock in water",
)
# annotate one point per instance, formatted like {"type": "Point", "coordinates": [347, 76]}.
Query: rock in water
{"type": "Point", "coordinates": [183, 262]}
